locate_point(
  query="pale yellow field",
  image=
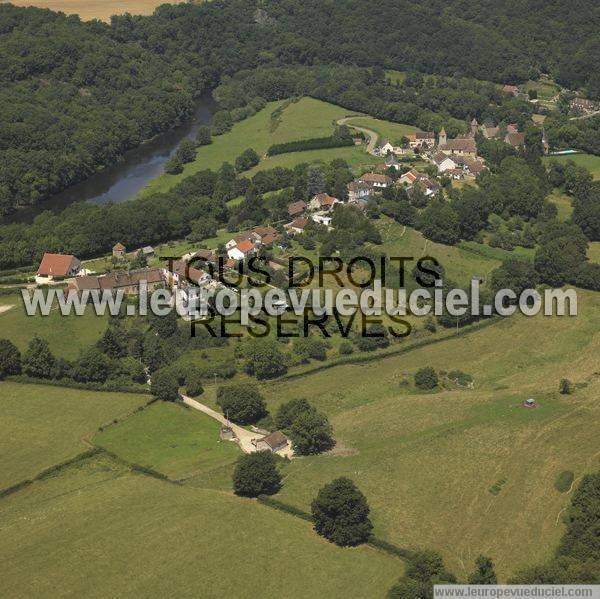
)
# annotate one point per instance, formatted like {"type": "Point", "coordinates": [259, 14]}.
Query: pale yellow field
{"type": "Point", "coordinates": [97, 9]}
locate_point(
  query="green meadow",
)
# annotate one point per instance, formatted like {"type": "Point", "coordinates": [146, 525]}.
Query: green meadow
{"type": "Point", "coordinates": [463, 471]}
{"type": "Point", "coordinates": [278, 122]}
{"type": "Point", "coordinates": [98, 530]}
{"type": "Point", "coordinates": [66, 335]}
{"type": "Point", "coordinates": [589, 161]}
{"type": "Point", "coordinates": [42, 425]}
{"type": "Point", "coordinates": [393, 132]}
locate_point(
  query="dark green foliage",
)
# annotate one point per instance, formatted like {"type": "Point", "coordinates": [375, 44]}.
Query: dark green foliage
{"type": "Point", "coordinates": [186, 152]}
{"type": "Point", "coordinates": [241, 403]}
{"type": "Point", "coordinates": [341, 514]}
{"type": "Point", "coordinates": [165, 385]}
{"type": "Point", "coordinates": [246, 160]}
{"type": "Point", "coordinates": [193, 383]}
{"type": "Point", "coordinates": [289, 411]}
{"type": "Point", "coordinates": [38, 360]}
{"type": "Point", "coordinates": [113, 343]}
{"type": "Point", "coordinates": [256, 474]}
{"type": "Point", "coordinates": [265, 359]}
{"type": "Point", "coordinates": [484, 572]}
{"type": "Point", "coordinates": [439, 222]}
{"type": "Point", "coordinates": [425, 568]}
{"type": "Point", "coordinates": [10, 358]}
{"type": "Point", "coordinates": [562, 250]}
{"type": "Point", "coordinates": [174, 165]}
{"type": "Point", "coordinates": [307, 348]}
{"type": "Point", "coordinates": [203, 137]}
{"type": "Point", "coordinates": [426, 378]}
{"type": "Point", "coordinates": [410, 589]}
{"type": "Point", "coordinates": [514, 274]}
{"type": "Point", "coordinates": [345, 348]}
{"type": "Point", "coordinates": [565, 387]}
{"type": "Point", "coordinates": [315, 143]}
{"type": "Point", "coordinates": [376, 337]}
{"type": "Point", "coordinates": [93, 366]}
{"type": "Point", "coordinates": [311, 433]}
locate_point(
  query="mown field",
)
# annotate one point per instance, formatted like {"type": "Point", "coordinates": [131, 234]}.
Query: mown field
{"type": "Point", "coordinates": [96, 9]}
{"type": "Point", "coordinates": [97, 530]}
{"type": "Point", "coordinates": [589, 161]}
{"type": "Point", "coordinates": [464, 471]}
{"type": "Point", "coordinates": [66, 335]}
{"type": "Point", "coordinates": [43, 425]}
{"type": "Point", "coordinates": [278, 122]}
{"type": "Point", "coordinates": [173, 439]}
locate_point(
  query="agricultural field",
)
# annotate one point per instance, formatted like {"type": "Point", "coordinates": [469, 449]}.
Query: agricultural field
{"type": "Point", "coordinates": [476, 456]}
{"type": "Point", "coordinates": [278, 122]}
{"type": "Point", "coordinates": [96, 529]}
{"type": "Point", "coordinates": [66, 335]}
{"type": "Point", "coordinates": [172, 439]}
{"type": "Point", "coordinates": [546, 89]}
{"type": "Point", "coordinates": [43, 425]}
{"type": "Point", "coordinates": [96, 9]}
{"type": "Point", "coordinates": [589, 161]}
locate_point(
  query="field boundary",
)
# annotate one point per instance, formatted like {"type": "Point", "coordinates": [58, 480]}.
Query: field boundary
{"type": "Point", "coordinates": [393, 352]}
{"type": "Point", "coordinates": [375, 542]}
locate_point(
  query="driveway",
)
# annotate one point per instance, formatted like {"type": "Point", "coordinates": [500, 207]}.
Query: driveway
{"type": "Point", "coordinates": [244, 436]}
{"type": "Point", "coordinates": [368, 132]}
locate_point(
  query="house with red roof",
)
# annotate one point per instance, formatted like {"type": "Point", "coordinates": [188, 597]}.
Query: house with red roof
{"type": "Point", "coordinates": [58, 266]}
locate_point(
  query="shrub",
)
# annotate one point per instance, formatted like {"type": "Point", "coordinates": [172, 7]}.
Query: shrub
{"type": "Point", "coordinates": [256, 474]}
{"type": "Point", "coordinates": [310, 347]}
{"type": "Point", "coordinates": [345, 348]}
{"type": "Point", "coordinates": [341, 514]}
{"type": "Point", "coordinates": [193, 383]}
{"type": "Point", "coordinates": [38, 360]}
{"type": "Point", "coordinates": [241, 403]}
{"type": "Point", "coordinates": [565, 387]}
{"type": "Point", "coordinates": [289, 411]}
{"type": "Point", "coordinates": [204, 136]}
{"type": "Point", "coordinates": [10, 358]}
{"type": "Point", "coordinates": [376, 337]}
{"type": "Point", "coordinates": [484, 572]}
{"type": "Point", "coordinates": [426, 378]}
{"type": "Point", "coordinates": [264, 359]}
{"type": "Point", "coordinates": [165, 385]}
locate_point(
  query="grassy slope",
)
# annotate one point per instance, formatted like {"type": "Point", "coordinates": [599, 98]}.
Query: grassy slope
{"type": "Point", "coordinates": [43, 425]}
{"type": "Point", "coordinates": [589, 161]}
{"type": "Point", "coordinates": [178, 442]}
{"type": "Point", "coordinates": [385, 129]}
{"type": "Point", "coordinates": [67, 336]}
{"type": "Point", "coordinates": [301, 120]}
{"type": "Point", "coordinates": [594, 251]}
{"type": "Point", "coordinates": [427, 461]}
{"type": "Point", "coordinates": [562, 203]}
{"type": "Point", "coordinates": [97, 531]}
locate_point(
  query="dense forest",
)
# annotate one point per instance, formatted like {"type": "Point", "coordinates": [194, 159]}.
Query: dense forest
{"type": "Point", "coordinates": [75, 95]}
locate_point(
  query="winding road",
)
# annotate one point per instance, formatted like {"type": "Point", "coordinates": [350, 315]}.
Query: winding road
{"type": "Point", "coordinates": [372, 135]}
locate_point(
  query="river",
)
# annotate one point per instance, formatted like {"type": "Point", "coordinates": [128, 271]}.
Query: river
{"type": "Point", "coordinates": [124, 180]}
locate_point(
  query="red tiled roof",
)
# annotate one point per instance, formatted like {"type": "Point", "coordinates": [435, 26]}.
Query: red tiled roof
{"type": "Point", "coordinates": [55, 265]}
{"type": "Point", "coordinates": [296, 207]}
{"type": "Point", "coordinates": [245, 246]}
{"type": "Point", "coordinates": [118, 247]}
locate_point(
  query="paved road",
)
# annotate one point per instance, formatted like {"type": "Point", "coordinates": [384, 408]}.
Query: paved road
{"type": "Point", "coordinates": [369, 132]}
{"type": "Point", "coordinates": [244, 436]}
{"type": "Point", "coordinates": [585, 116]}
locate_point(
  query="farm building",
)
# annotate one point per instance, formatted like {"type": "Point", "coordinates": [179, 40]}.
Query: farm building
{"type": "Point", "coordinates": [273, 442]}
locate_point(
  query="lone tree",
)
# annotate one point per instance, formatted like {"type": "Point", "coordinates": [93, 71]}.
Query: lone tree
{"type": "Point", "coordinates": [165, 385]}
{"type": "Point", "coordinates": [241, 403]}
{"type": "Point", "coordinates": [10, 358]}
{"type": "Point", "coordinates": [264, 359]}
{"type": "Point", "coordinates": [311, 433]}
{"type": "Point", "coordinates": [341, 514]}
{"type": "Point", "coordinates": [256, 474]}
{"type": "Point", "coordinates": [484, 572]}
{"type": "Point", "coordinates": [426, 378]}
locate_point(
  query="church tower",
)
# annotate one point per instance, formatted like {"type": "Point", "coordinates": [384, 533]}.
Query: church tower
{"type": "Point", "coordinates": [443, 140]}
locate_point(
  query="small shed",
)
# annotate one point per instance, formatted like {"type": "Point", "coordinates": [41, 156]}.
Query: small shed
{"type": "Point", "coordinates": [227, 433]}
{"type": "Point", "coordinates": [274, 442]}
{"type": "Point", "coordinates": [119, 251]}
{"type": "Point", "coordinates": [530, 403]}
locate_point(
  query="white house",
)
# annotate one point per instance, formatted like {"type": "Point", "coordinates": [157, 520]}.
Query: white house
{"type": "Point", "coordinates": [385, 148]}
{"type": "Point", "coordinates": [375, 180]}
{"type": "Point", "coordinates": [322, 218]}
{"type": "Point", "coordinates": [242, 250]}
{"type": "Point", "coordinates": [443, 162]}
